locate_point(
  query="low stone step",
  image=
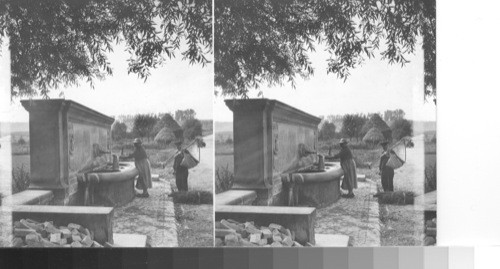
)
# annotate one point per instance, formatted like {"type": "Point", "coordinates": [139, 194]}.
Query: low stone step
{"type": "Point", "coordinates": [236, 197]}
{"type": "Point", "coordinates": [361, 178]}
{"type": "Point", "coordinates": [29, 197]}
{"type": "Point", "coordinates": [331, 240]}
{"type": "Point", "coordinates": [129, 240]}
{"type": "Point", "coordinates": [155, 177]}
{"type": "Point", "coordinates": [299, 220]}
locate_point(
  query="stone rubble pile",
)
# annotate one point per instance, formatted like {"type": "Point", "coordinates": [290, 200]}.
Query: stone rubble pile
{"type": "Point", "coordinates": [234, 234]}
{"type": "Point", "coordinates": [430, 232]}
{"type": "Point", "coordinates": [29, 233]}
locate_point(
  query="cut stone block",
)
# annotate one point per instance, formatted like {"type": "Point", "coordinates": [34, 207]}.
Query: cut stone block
{"type": "Point", "coordinates": [429, 241]}
{"type": "Point", "coordinates": [221, 233]}
{"type": "Point", "coordinates": [96, 219]}
{"type": "Point", "coordinates": [17, 242]}
{"type": "Point", "coordinates": [332, 240]}
{"type": "Point", "coordinates": [130, 240]}
{"type": "Point", "coordinates": [245, 243]}
{"type": "Point", "coordinates": [47, 244]}
{"type": "Point", "coordinates": [276, 244]}
{"type": "Point", "coordinates": [255, 238]}
{"type": "Point", "coordinates": [74, 226]}
{"type": "Point", "coordinates": [86, 241]}
{"type": "Point", "coordinates": [361, 178]}
{"type": "Point", "coordinates": [76, 238]}
{"type": "Point", "coordinates": [300, 220]}
{"type": "Point", "coordinates": [32, 239]}
{"type": "Point", "coordinates": [431, 231]}
{"type": "Point", "coordinates": [155, 177]}
{"type": "Point", "coordinates": [253, 230]}
{"type": "Point", "coordinates": [55, 238]}
{"type": "Point", "coordinates": [22, 232]}
{"type": "Point", "coordinates": [76, 244]}
{"type": "Point", "coordinates": [66, 233]}
{"type": "Point", "coordinates": [277, 238]}
{"type": "Point", "coordinates": [262, 242]}
{"type": "Point", "coordinates": [266, 233]}
{"type": "Point", "coordinates": [37, 227]}
{"type": "Point", "coordinates": [287, 241]}
{"type": "Point", "coordinates": [275, 226]}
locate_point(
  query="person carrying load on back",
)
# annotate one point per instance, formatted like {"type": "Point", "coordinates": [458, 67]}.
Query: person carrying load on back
{"type": "Point", "coordinates": [142, 164]}
{"type": "Point", "coordinates": [347, 163]}
{"type": "Point", "coordinates": [386, 171]}
{"type": "Point", "coordinates": [181, 172]}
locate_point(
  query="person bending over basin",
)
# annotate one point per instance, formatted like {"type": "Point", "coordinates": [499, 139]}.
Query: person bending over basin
{"type": "Point", "coordinates": [347, 163]}
{"type": "Point", "coordinates": [142, 164]}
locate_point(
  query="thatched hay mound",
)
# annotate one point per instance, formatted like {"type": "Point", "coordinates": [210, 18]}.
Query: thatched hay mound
{"type": "Point", "coordinates": [373, 136]}
{"type": "Point", "coordinates": [377, 122]}
{"type": "Point", "coordinates": [167, 130]}
{"type": "Point", "coordinates": [165, 136]}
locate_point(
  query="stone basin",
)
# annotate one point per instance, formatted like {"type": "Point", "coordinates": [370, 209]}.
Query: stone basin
{"type": "Point", "coordinates": [126, 172]}
{"type": "Point", "coordinates": [316, 187]}
{"type": "Point", "coordinates": [109, 187]}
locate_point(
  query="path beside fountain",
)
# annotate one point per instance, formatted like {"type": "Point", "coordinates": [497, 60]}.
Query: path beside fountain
{"type": "Point", "coordinates": [357, 218]}
{"type": "Point", "coordinates": [153, 216]}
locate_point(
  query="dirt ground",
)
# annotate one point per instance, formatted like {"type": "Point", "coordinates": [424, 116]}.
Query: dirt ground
{"type": "Point", "coordinates": [195, 225]}
{"type": "Point", "coordinates": [404, 225]}
{"type": "Point", "coordinates": [196, 221]}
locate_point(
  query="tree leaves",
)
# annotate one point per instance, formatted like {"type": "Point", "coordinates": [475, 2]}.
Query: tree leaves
{"type": "Point", "coordinates": [58, 43]}
{"type": "Point", "coordinates": [269, 41]}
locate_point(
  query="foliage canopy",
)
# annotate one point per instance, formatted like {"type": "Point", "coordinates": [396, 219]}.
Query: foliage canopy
{"type": "Point", "coordinates": [57, 43]}
{"type": "Point", "coordinates": [192, 128]}
{"type": "Point", "coordinates": [270, 41]}
{"type": "Point", "coordinates": [327, 131]}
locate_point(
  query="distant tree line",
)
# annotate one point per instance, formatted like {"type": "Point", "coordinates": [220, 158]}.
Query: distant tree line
{"type": "Point", "coordinates": [371, 128]}
{"type": "Point", "coordinates": [162, 127]}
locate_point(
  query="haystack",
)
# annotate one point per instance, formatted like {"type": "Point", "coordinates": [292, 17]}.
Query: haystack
{"type": "Point", "coordinates": [165, 136]}
{"type": "Point", "coordinates": [377, 122]}
{"type": "Point", "coordinates": [169, 130]}
{"type": "Point", "coordinates": [373, 136]}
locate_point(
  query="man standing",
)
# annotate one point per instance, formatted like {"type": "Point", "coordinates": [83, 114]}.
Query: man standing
{"type": "Point", "coordinates": [386, 172]}
{"type": "Point", "coordinates": [181, 173]}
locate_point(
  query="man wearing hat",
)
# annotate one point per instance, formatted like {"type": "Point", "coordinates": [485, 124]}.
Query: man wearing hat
{"type": "Point", "coordinates": [142, 164]}
{"type": "Point", "coordinates": [181, 173]}
{"type": "Point", "coordinates": [348, 164]}
{"type": "Point", "coordinates": [386, 172]}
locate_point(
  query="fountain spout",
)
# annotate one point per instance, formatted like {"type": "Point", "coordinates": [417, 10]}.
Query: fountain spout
{"type": "Point", "coordinates": [304, 151]}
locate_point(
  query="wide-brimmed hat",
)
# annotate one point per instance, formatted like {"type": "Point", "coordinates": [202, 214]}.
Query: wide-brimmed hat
{"type": "Point", "coordinates": [137, 141]}
{"type": "Point", "coordinates": [343, 141]}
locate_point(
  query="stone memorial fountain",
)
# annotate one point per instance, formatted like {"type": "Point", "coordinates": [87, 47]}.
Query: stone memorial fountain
{"type": "Point", "coordinates": [70, 154]}
{"type": "Point", "coordinates": [74, 176]}
{"type": "Point", "coordinates": [279, 177]}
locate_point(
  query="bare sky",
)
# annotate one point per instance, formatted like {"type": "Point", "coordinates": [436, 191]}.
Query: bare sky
{"type": "Point", "coordinates": [176, 85]}
{"type": "Point", "coordinates": [373, 87]}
